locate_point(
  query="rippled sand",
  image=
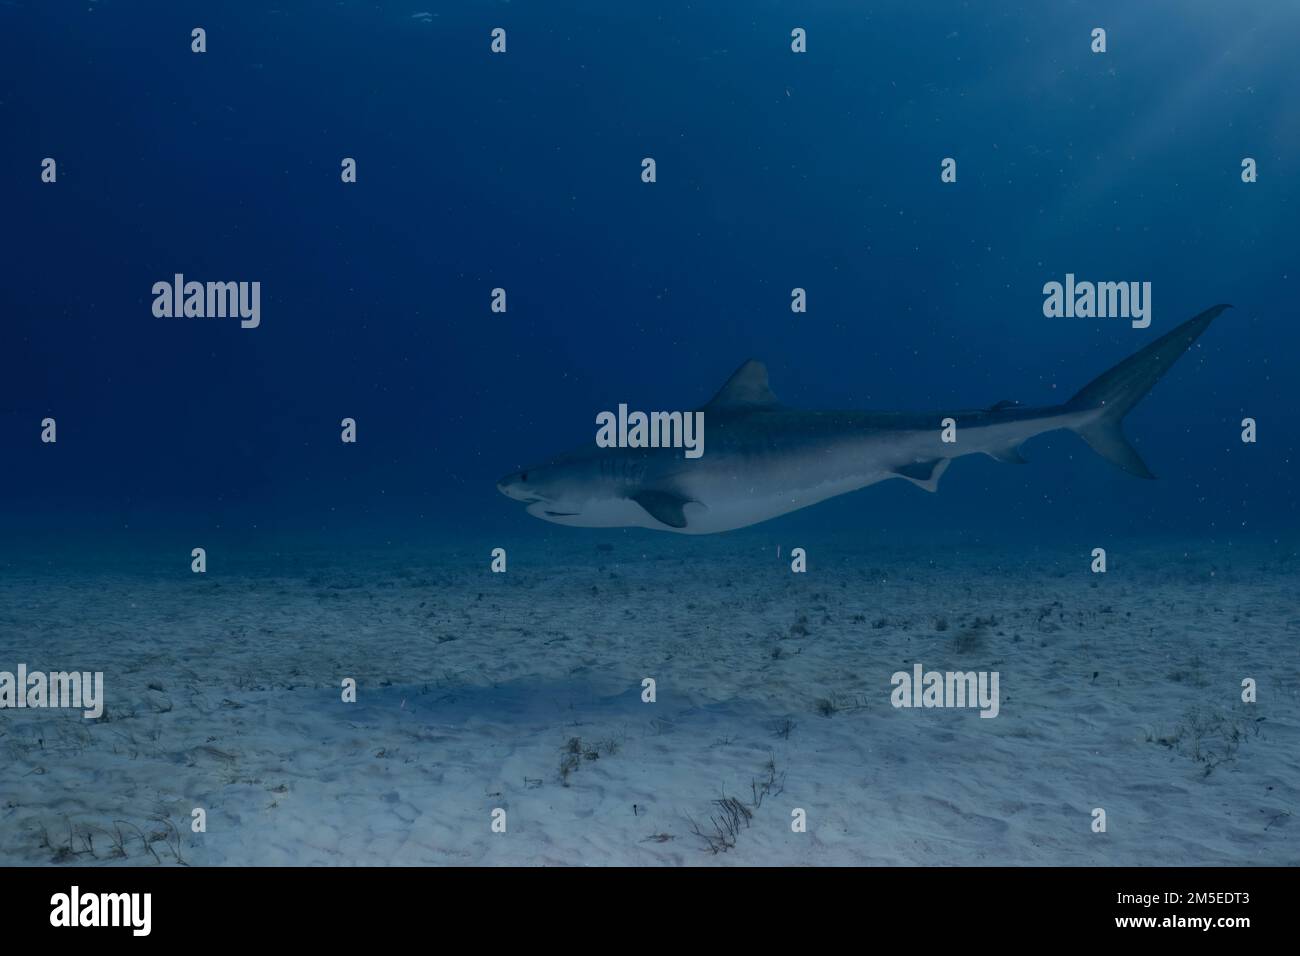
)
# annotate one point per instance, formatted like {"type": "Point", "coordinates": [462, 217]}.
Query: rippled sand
{"type": "Point", "coordinates": [523, 691]}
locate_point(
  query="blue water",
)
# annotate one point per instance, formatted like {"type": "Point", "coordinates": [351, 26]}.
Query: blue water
{"type": "Point", "coordinates": [775, 170]}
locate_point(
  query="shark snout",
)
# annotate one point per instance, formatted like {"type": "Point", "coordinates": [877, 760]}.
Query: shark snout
{"type": "Point", "coordinates": [550, 505]}
{"type": "Point", "coordinates": [515, 485]}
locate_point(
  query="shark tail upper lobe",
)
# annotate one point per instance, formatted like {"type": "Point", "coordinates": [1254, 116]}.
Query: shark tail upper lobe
{"type": "Point", "coordinates": [1115, 392]}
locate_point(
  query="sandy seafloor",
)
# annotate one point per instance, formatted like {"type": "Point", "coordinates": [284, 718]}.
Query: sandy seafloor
{"type": "Point", "coordinates": [1119, 691]}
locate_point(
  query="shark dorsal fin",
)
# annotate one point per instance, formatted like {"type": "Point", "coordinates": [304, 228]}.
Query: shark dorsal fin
{"type": "Point", "coordinates": [747, 388]}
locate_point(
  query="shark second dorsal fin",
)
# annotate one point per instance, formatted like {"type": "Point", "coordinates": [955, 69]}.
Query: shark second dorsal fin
{"type": "Point", "coordinates": [747, 388]}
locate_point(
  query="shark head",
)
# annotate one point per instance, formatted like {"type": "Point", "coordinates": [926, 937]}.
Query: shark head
{"type": "Point", "coordinates": [594, 488]}
{"type": "Point", "coordinates": [609, 487]}
{"type": "Point", "coordinates": [553, 492]}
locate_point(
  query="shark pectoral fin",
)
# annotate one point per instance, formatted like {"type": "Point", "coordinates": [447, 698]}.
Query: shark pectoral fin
{"type": "Point", "coordinates": [1009, 455]}
{"type": "Point", "coordinates": [664, 507]}
{"type": "Point", "coordinates": [924, 474]}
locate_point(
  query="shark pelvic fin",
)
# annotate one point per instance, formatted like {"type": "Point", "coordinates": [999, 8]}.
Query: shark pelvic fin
{"type": "Point", "coordinates": [1010, 455]}
{"type": "Point", "coordinates": [747, 388]}
{"type": "Point", "coordinates": [664, 507]}
{"type": "Point", "coordinates": [924, 474]}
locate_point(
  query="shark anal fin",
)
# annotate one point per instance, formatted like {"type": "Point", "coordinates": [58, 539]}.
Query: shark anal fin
{"type": "Point", "coordinates": [1010, 455]}
{"type": "Point", "coordinates": [924, 474]}
{"type": "Point", "coordinates": [664, 507]}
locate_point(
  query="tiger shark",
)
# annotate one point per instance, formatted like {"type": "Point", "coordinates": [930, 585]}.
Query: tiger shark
{"type": "Point", "coordinates": [765, 459]}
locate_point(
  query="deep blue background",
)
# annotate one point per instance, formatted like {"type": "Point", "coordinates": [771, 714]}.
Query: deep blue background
{"type": "Point", "coordinates": [523, 171]}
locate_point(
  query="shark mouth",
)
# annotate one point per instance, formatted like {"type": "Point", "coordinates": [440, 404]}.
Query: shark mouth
{"type": "Point", "coordinates": [541, 508]}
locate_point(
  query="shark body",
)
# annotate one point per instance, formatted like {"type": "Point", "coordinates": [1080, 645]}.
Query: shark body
{"type": "Point", "coordinates": [764, 460]}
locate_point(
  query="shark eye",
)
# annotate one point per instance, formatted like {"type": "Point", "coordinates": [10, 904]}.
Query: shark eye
{"type": "Point", "coordinates": [523, 476]}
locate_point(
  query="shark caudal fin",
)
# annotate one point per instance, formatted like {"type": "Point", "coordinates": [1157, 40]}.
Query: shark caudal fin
{"type": "Point", "coordinates": [1116, 392]}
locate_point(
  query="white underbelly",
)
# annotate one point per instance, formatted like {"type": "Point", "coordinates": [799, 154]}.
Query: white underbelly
{"type": "Point", "coordinates": [715, 507]}
{"type": "Point", "coordinates": [726, 509]}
